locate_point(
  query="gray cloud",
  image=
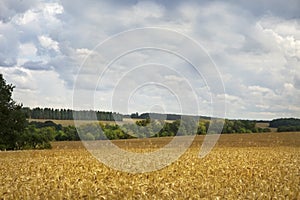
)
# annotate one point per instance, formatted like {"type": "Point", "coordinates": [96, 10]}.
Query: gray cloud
{"type": "Point", "coordinates": [9, 42]}
{"type": "Point", "coordinates": [36, 65]}
{"type": "Point", "coordinates": [255, 45]}
{"type": "Point", "coordinates": [10, 8]}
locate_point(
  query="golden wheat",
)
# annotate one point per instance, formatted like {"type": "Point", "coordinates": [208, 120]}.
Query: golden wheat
{"type": "Point", "coordinates": [257, 166]}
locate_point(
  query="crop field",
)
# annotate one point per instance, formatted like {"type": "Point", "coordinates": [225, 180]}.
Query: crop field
{"type": "Point", "coordinates": [83, 122]}
{"type": "Point", "coordinates": [266, 125]}
{"type": "Point", "coordinates": [241, 166]}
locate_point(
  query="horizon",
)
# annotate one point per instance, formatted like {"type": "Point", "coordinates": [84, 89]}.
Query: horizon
{"type": "Point", "coordinates": [140, 113]}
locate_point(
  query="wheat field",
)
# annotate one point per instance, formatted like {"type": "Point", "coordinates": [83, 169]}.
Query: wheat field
{"type": "Point", "coordinates": [241, 166]}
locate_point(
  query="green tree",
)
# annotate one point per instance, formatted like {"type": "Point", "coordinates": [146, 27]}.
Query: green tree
{"type": "Point", "coordinates": [12, 119]}
{"type": "Point", "coordinates": [36, 138]}
{"type": "Point", "coordinates": [201, 128]}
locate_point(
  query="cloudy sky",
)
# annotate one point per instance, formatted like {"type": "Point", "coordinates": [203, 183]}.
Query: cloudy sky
{"type": "Point", "coordinates": [253, 45]}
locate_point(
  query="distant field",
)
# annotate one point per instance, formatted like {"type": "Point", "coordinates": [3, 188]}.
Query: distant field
{"type": "Point", "coordinates": [62, 122]}
{"type": "Point", "coordinates": [241, 166]}
{"type": "Point", "coordinates": [265, 125]}
{"type": "Point", "coordinates": [82, 122]}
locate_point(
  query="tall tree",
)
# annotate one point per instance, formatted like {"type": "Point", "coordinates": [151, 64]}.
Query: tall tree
{"type": "Point", "coordinates": [12, 119]}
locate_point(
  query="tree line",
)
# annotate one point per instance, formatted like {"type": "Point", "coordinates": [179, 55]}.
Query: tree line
{"type": "Point", "coordinates": [68, 114]}
{"type": "Point", "coordinates": [161, 116]}
{"type": "Point", "coordinates": [286, 124]}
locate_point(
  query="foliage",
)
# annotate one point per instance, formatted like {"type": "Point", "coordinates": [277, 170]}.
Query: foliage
{"type": "Point", "coordinates": [202, 127]}
{"type": "Point", "coordinates": [288, 128]}
{"type": "Point", "coordinates": [286, 124]}
{"type": "Point", "coordinates": [100, 131]}
{"type": "Point", "coordinates": [12, 120]}
{"type": "Point", "coordinates": [68, 133]}
{"type": "Point", "coordinates": [46, 124]}
{"type": "Point", "coordinates": [242, 126]}
{"type": "Point", "coordinates": [159, 128]}
{"type": "Point", "coordinates": [145, 129]}
{"type": "Point", "coordinates": [36, 138]}
{"type": "Point", "coordinates": [15, 132]}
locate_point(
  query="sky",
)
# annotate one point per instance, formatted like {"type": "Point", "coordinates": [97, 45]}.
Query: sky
{"type": "Point", "coordinates": [247, 54]}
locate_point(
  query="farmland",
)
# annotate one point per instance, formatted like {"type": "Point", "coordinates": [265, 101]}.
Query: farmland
{"type": "Point", "coordinates": [241, 166]}
{"type": "Point", "coordinates": [83, 122]}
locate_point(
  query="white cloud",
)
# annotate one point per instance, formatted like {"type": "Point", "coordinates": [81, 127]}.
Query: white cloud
{"type": "Point", "coordinates": [51, 9]}
{"type": "Point", "coordinates": [11, 8]}
{"type": "Point", "coordinates": [37, 88]}
{"type": "Point", "coordinates": [27, 17]}
{"type": "Point", "coordinates": [83, 52]}
{"type": "Point", "coordinates": [48, 43]}
{"type": "Point", "coordinates": [259, 89]}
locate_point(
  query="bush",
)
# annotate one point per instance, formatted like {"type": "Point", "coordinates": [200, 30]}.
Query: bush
{"type": "Point", "coordinates": [288, 128]}
{"type": "Point", "coordinates": [33, 138]}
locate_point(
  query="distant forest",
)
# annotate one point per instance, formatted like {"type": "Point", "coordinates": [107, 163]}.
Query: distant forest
{"type": "Point", "coordinates": [68, 114]}
{"type": "Point", "coordinates": [160, 116]}
{"type": "Point", "coordinates": [286, 124]}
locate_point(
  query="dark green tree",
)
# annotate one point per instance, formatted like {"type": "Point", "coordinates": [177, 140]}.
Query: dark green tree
{"type": "Point", "coordinates": [12, 119]}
